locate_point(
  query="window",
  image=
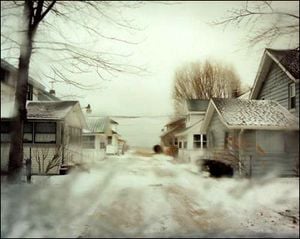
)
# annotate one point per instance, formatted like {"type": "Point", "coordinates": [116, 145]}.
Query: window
{"type": "Point", "coordinates": [5, 131]}
{"type": "Point", "coordinates": [88, 141]}
{"type": "Point", "coordinates": [102, 145]}
{"type": "Point", "coordinates": [29, 92]}
{"type": "Point", "coordinates": [28, 132]}
{"type": "Point", "coordinates": [197, 140]}
{"type": "Point", "coordinates": [204, 141]}
{"type": "Point", "coordinates": [4, 75]}
{"type": "Point", "coordinates": [109, 139]}
{"type": "Point", "coordinates": [176, 142]}
{"type": "Point", "coordinates": [185, 144]}
{"type": "Point", "coordinates": [292, 96]}
{"type": "Point", "coordinates": [200, 141]}
{"type": "Point", "coordinates": [45, 132]}
{"type": "Point", "coordinates": [180, 144]}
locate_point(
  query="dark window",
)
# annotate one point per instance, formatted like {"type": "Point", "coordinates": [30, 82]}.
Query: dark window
{"type": "Point", "coordinates": [292, 96]}
{"type": "Point", "coordinates": [29, 92]}
{"type": "Point", "coordinates": [109, 139]}
{"type": "Point", "coordinates": [88, 141]}
{"type": "Point", "coordinates": [180, 144]}
{"type": "Point", "coordinates": [204, 141]}
{"type": "Point", "coordinates": [28, 132]}
{"type": "Point", "coordinates": [5, 131]}
{"type": "Point", "coordinates": [176, 142]}
{"type": "Point", "coordinates": [102, 145]}
{"type": "Point", "coordinates": [4, 75]}
{"type": "Point", "coordinates": [197, 140]}
{"type": "Point", "coordinates": [45, 132]}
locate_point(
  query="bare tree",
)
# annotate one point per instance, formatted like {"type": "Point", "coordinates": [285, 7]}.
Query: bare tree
{"type": "Point", "coordinates": [39, 17]}
{"type": "Point", "coordinates": [266, 23]}
{"type": "Point", "coordinates": [205, 80]}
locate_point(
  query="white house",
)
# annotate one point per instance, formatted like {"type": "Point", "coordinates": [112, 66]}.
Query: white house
{"type": "Point", "coordinates": [192, 142]}
{"type": "Point", "coordinates": [52, 136]}
{"type": "Point", "coordinates": [101, 138]}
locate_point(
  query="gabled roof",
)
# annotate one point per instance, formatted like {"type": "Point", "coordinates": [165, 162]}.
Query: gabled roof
{"type": "Point", "coordinates": [197, 104]}
{"type": "Point", "coordinates": [251, 114]}
{"type": "Point", "coordinates": [49, 109]}
{"type": "Point", "coordinates": [188, 129]}
{"type": "Point", "coordinates": [176, 128]}
{"type": "Point", "coordinates": [176, 120]}
{"type": "Point", "coordinates": [287, 60]}
{"type": "Point", "coordinates": [97, 124]}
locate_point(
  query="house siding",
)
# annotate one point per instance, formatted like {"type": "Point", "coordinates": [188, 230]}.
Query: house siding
{"type": "Point", "coordinates": [276, 87]}
{"type": "Point", "coordinates": [278, 157]}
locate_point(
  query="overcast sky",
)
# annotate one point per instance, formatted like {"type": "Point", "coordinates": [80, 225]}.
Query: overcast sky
{"type": "Point", "coordinates": [171, 35]}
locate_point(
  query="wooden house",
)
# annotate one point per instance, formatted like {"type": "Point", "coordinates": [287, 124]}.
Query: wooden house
{"type": "Point", "coordinates": [52, 136]}
{"type": "Point", "coordinates": [192, 142]}
{"type": "Point", "coordinates": [256, 137]}
{"type": "Point", "coordinates": [278, 78]}
{"type": "Point", "coordinates": [101, 137]}
{"type": "Point", "coordinates": [168, 136]}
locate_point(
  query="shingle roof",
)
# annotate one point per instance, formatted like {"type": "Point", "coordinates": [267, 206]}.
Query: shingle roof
{"type": "Point", "coordinates": [255, 113]}
{"type": "Point", "coordinates": [49, 109]}
{"type": "Point", "coordinates": [97, 124]}
{"type": "Point", "coordinates": [197, 104]}
{"type": "Point", "coordinates": [289, 59]}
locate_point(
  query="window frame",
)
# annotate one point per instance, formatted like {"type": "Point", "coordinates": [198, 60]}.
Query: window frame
{"type": "Point", "coordinates": [35, 132]}
{"type": "Point", "coordinates": [29, 132]}
{"type": "Point", "coordinates": [200, 141]}
{"type": "Point", "coordinates": [7, 131]}
{"type": "Point", "coordinates": [109, 140]}
{"type": "Point", "coordinates": [84, 142]}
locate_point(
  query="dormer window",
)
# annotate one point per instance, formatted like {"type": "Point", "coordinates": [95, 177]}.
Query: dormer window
{"type": "Point", "coordinates": [292, 96]}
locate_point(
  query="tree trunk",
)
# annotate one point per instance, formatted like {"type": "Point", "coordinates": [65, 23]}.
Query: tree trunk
{"type": "Point", "coordinates": [15, 163]}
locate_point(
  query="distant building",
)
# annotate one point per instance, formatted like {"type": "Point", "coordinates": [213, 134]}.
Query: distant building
{"type": "Point", "coordinates": [101, 138]}
{"type": "Point", "coordinates": [192, 142]}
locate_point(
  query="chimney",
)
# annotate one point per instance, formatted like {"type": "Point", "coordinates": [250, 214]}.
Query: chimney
{"type": "Point", "coordinates": [88, 109]}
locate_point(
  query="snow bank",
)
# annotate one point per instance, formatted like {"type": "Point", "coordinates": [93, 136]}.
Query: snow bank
{"type": "Point", "coordinates": [130, 196]}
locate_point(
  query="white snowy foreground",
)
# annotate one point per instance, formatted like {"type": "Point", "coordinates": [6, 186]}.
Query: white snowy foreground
{"type": "Point", "coordinates": [134, 196]}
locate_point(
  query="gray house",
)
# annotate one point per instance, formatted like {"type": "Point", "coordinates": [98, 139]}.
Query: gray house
{"type": "Point", "coordinates": [52, 136]}
{"type": "Point", "coordinates": [256, 137]}
{"type": "Point", "coordinates": [278, 79]}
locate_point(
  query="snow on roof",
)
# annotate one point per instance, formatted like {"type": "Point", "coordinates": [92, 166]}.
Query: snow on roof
{"type": "Point", "coordinates": [49, 109]}
{"type": "Point", "coordinates": [197, 104]}
{"type": "Point", "coordinates": [255, 114]}
{"type": "Point", "coordinates": [97, 124]}
{"type": "Point", "coordinates": [289, 59]}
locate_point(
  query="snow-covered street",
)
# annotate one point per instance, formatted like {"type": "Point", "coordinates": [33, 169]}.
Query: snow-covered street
{"type": "Point", "coordinates": [136, 196]}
